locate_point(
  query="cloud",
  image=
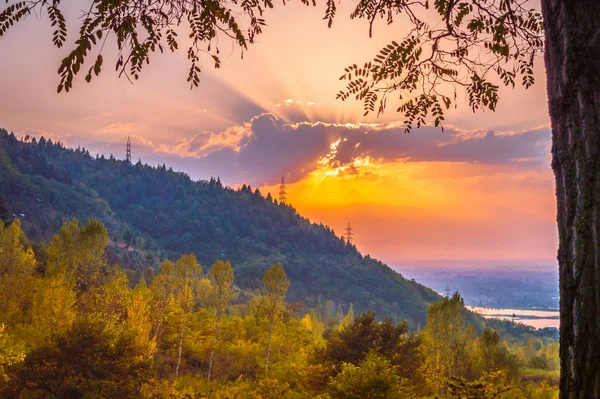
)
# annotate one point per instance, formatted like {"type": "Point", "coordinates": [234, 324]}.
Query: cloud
{"type": "Point", "coordinates": [118, 131]}
{"type": "Point", "coordinates": [203, 143]}
{"type": "Point", "coordinates": [266, 147]}
{"type": "Point", "coordinates": [290, 102]}
{"type": "Point", "coordinates": [120, 128]}
{"type": "Point", "coordinates": [390, 143]}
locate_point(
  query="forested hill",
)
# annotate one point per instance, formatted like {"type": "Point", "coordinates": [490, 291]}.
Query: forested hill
{"type": "Point", "coordinates": [154, 213]}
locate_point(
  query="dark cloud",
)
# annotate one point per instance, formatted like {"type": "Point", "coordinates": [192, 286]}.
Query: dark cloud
{"type": "Point", "coordinates": [429, 144]}
{"type": "Point", "coordinates": [277, 148]}
{"type": "Point", "coordinates": [270, 148]}
{"type": "Point", "coordinates": [274, 149]}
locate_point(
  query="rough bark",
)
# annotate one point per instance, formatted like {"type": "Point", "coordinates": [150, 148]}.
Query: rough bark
{"type": "Point", "coordinates": [572, 58]}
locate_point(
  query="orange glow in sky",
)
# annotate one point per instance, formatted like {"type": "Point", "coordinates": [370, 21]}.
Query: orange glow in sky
{"type": "Point", "coordinates": [435, 210]}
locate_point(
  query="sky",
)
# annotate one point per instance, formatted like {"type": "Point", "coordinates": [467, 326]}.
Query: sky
{"type": "Point", "coordinates": [480, 190]}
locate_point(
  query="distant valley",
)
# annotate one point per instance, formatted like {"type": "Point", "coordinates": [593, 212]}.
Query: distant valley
{"type": "Point", "coordinates": [498, 284]}
{"type": "Point", "coordinates": [520, 291]}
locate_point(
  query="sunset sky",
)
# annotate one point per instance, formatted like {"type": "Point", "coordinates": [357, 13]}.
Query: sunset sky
{"type": "Point", "coordinates": [482, 189]}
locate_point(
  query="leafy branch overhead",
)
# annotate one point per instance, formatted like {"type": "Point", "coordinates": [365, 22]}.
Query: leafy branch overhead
{"type": "Point", "coordinates": [473, 44]}
{"type": "Point", "coordinates": [141, 28]}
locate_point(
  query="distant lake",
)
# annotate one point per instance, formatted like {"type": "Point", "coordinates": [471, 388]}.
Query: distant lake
{"type": "Point", "coordinates": [532, 317]}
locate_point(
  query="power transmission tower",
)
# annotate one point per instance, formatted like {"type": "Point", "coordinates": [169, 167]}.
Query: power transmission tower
{"type": "Point", "coordinates": [448, 291]}
{"type": "Point", "coordinates": [128, 151]}
{"type": "Point", "coordinates": [282, 192]}
{"type": "Point", "coordinates": [349, 234]}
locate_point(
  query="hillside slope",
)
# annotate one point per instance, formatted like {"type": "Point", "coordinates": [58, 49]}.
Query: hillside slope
{"type": "Point", "coordinates": [162, 213]}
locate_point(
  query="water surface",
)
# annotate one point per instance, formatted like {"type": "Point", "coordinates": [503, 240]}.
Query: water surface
{"type": "Point", "coordinates": [538, 318]}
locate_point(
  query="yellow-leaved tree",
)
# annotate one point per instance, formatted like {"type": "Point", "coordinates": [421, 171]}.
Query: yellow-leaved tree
{"type": "Point", "coordinates": [188, 273]}
{"type": "Point", "coordinates": [54, 309]}
{"type": "Point", "coordinates": [10, 352]}
{"type": "Point", "coordinates": [221, 274]}
{"type": "Point", "coordinates": [446, 342]}
{"type": "Point", "coordinates": [140, 320]}
{"type": "Point", "coordinates": [17, 273]}
{"type": "Point", "coordinates": [348, 319]}
{"type": "Point", "coordinates": [78, 253]}
{"type": "Point", "coordinates": [162, 289]}
{"type": "Point", "coordinates": [275, 286]}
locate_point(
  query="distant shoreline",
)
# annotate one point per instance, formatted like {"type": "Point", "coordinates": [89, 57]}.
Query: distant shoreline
{"type": "Point", "coordinates": [532, 317]}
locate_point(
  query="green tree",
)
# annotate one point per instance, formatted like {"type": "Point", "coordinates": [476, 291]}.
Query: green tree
{"type": "Point", "coordinates": [275, 286]}
{"type": "Point", "coordinates": [17, 273]}
{"type": "Point", "coordinates": [54, 308]}
{"type": "Point", "coordinates": [538, 362]}
{"type": "Point", "coordinates": [311, 322]}
{"type": "Point", "coordinates": [544, 391]}
{"type": "Point", "coordinates": [78, 253]}
{"type": "Point", "coordinates": [221, 274]}
{"type": "Point", "coordinates": [348, 319]}
{"type": "Point", "coordinates": [10, 353]}
{"type": "Point", "coordinates": [88, 360]}
{"type": "Point", "coordinates": [446, 341]}
{"type": "Point", "coordinates": [269, 388]}
{"type": "Point", "coordinates": [365, 334]}
{"type": "Point", "coordinates": [492, 355]}
{"type": "Point", "coordinates": [139, 320]}
{"type": "Point", "coordinates": [187, 277]}
{"type": "Point", "coordinates": [490, 386]}
{"type": "Point", "coordinates": [162, 288]}
{"type": "Point", "coordinates": [488, 344]}
{"type": "Point", "coordinates": [375, 377]}
{"type": "Point", "coordinates": [351, 344]}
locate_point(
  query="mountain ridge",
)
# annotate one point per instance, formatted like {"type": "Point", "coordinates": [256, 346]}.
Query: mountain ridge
{"type": "Point", "coordinates": [159, 213]}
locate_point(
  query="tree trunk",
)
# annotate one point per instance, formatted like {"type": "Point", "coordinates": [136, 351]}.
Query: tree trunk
{"type": "Point", "coordinates": [269, 347]}
{"type": "Point", "coordinates": [212, 352]}
{"type": "Point", "coordinates": [180, 345]}
{"type": "Point", "coordinates": [572, 57]}
{"type": "Point", "coordinates": [158, 327]}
